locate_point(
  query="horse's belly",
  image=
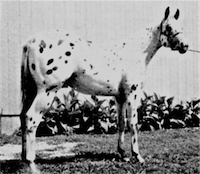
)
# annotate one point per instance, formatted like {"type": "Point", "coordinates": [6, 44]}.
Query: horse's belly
{"type": "Point", "coordinates": [94, 86]}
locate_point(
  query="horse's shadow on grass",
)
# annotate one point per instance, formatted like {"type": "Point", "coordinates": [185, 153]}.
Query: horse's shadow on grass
{"type": "Point", "coordinates": [80, 157]}
{"type": "Point", "coordinates": [17, 166]}
{"type": "Point", "coordinates": [11, 166]}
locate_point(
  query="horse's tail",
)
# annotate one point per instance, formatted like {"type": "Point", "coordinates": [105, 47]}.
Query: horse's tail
{"type": "Point", "coordinates": [28, 85]}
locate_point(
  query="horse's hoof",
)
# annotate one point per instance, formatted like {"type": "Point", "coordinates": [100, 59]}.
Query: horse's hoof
{"type": "Point", "coordinates": [141, 160]}
{"type": "Point", "coordinates": [34, 169]}
{"type": "Point", "coordinates": [125, 159]}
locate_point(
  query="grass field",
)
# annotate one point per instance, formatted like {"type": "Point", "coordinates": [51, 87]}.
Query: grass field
{"type": "Point", "coordinates": [165, 151]}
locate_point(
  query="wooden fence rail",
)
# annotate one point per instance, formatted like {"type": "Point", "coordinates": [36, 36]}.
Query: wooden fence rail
{"type": "Point", "coordinates": [6, 116]}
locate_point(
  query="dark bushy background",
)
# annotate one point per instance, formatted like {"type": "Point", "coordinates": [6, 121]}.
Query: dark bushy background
{"type": "Point", "coordinates": [99, 116]}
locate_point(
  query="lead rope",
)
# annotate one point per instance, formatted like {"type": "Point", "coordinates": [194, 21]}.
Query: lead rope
{"type": "Point", "coordinates": [196, 51]}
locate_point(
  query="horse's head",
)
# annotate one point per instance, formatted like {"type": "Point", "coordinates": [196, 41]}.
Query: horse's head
{"type": "Point", "coordinates": [171, 33]}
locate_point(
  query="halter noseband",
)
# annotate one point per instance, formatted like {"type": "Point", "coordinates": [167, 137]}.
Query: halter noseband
{"type": "Point", "coordinates": [170, 37]}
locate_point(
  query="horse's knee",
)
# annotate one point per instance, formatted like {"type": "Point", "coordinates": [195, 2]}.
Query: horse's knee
{"type": "Point", "coordinates": [133, 124]}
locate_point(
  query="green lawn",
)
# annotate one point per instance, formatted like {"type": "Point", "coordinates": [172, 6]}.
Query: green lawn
{"type": "Point", "coordinates": [165, 151]}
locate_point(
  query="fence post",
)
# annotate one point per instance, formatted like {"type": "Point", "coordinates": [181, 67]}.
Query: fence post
{"type": "Point", "coordinates": [0, 121]}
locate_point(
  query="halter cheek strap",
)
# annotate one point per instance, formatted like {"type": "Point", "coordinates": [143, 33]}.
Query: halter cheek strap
{"type": "Point", "coordinates": [170, 37]}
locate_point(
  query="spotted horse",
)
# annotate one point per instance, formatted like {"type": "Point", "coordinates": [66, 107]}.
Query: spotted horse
{"type": "Point", "coordinates": [54, 60]}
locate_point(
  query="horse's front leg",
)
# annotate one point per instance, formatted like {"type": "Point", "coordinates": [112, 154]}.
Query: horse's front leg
{"type": "Point", "coordinates": [121, 108]}
{"type": "Point", "coordinates": [132, 105]}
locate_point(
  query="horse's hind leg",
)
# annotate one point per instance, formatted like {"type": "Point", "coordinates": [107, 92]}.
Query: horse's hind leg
{"type": "Point", "coordinates": [33, 117]}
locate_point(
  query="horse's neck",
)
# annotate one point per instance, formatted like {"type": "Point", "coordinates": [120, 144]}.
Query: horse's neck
{"type": "Point", "coordinates": [147, 43]}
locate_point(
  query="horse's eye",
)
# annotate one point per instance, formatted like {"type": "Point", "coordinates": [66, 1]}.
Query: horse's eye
{"type": "Point", "coordinates": [168, 28]}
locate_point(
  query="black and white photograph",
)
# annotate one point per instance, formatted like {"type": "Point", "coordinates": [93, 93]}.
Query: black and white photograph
{"type": "Point", "coordinates": [99, 87]}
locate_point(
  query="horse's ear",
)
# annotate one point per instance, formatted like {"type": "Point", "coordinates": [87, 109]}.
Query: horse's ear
{"type": "Point", "coordinates": [166, 13]}
{"type": "Point", "coordinates": [177, 14]}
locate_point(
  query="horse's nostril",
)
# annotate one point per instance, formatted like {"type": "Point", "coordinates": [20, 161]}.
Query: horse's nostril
{"type": "Point", "coordinates": [184, 46]}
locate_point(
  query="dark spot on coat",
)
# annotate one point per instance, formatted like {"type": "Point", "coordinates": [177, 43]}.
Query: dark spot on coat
{"type": "Point", "coordinates": [66, 61]}
{"type": "Point", "coordinates": [51, 88]}
{"type": "Point", "coordinates": [49, 71]}
{"type": "Point", "coordinates": [134, 140]}
{"type": "Point", "coordinates": [34, 122]}
{"type": "Point", "coordinates": [25, 49]}
{"type": "Point", "coordinates": [108, 80]}
{"type": "Point", "coordinates": [123, 45]}
{"type": "Point", "coordinates": [55, 68]}
{"type": "Point", "coordinates": [31, 119]}
{"type": "Point", "coordinates": [33, 41]}
{"type": "Point", "coordinates": [44, 82]}
{"type": "Point", "coordinates": [50, 46]}
{"type": "Point", "coordinates": [33, 66]}
{"type": "Point", "coordinates": [91, 66]}
{"type": "Point", "coordinates": [60, 42]}
{"type": "Point", "coordinates": [89, 41]}
{"type": "Point", "coordinates": [47, 93]}
{"type": "Point", "coordinates": [85, 60]}
{"type": "Point", "coordinates": [68, 53]}
{"type": "Point", "coordinates": [134, 87]}
{"type": "Point", "coordinates": [67, 34]}
{"type": "Point", "coordinates": [71, 44]}
{"type": "Point", "coordinates": [42, 44]}
{"type": "Point", "coordinates": [50, 61]}
{"type": "Point", "coordinates": [96, 73]}
{"type": "Point", "coordinates": [41, 50]}
{"type": "Point", "coordinates": [135, 96]}
{"type": "Point", "coordinates": [60, 57]}
{"type": "Point", "coordinates": [142, 85]}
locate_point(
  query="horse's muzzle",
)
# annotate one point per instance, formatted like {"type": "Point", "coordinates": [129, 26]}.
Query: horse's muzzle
{"type": "Point", "coordinates": [183, 48]}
